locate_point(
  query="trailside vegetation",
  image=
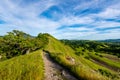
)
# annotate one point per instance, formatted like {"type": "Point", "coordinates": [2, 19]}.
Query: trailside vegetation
{"type": "Point", "coordinates": [18, 43]}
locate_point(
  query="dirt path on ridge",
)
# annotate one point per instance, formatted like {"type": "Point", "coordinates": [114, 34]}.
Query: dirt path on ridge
{"type": "Point", "coordinates": [54, 71]}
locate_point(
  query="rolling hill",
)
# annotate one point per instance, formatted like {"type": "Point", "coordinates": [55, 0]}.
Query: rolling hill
{"type": "Point", "coordinates": [81, 67]}
{"type": "Point", "coordinates": [110, 40]}
{"type": "Point", "coordinates": [81, 62]}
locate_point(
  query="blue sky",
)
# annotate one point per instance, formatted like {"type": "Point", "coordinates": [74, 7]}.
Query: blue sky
{"type": "Point", "coordinates": [64, 19]}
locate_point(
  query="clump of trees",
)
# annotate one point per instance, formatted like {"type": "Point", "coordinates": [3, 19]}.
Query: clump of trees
{"type": "Point", "coordinates": [18, 43]}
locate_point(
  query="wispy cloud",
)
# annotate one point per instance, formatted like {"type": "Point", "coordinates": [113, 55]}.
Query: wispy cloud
{"type": "Point", "coordinates": [106, 24]}
{"type": "Point", "coordinates": [73, 19]}
{"type": "Point", "coordinates": [109, 13]}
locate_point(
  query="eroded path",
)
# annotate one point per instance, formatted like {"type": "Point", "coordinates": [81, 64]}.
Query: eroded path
{"type": "Point", "coordinates": [54, 71]}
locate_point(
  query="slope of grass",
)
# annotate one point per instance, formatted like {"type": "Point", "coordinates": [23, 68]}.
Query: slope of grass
{"type": "Point", "coordinates": [107, 61]}
{"type": "Point", "coordinates": [111, 57]}
{"type": "Point", "coordinates": [86, 59]}
{"type": "Point", "coordinates": [59, 52]}
{"type": "Point", "coordinates": [25, 67]}
{"type": "Point", "coordinates": [107, 72]}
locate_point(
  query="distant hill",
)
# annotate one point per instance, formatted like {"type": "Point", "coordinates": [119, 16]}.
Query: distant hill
{"type": "Point", "coordinates": [110, 40]}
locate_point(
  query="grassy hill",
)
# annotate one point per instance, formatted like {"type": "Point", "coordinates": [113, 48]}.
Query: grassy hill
{"type": "Point", "coordinates": [83, 62]}
{"type": "Point", "coordinates": [63, 54]}
{"type": "Point", "coordinates": [92, 55]}
{"type": "Point", "coordinates": [25, 67]}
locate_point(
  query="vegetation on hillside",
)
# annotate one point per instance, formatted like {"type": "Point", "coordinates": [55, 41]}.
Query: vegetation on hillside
{"type": "Point", "coordinates": [87, 60]}
{"type": "Point", "coordinates": [94, 52]}
{"type": "Point", "coordinates": [105, 47]}
{"type": "Point", "coordinates": [24, 67]}
{"type": "Point", "coordinates": [18, 43]}
{"type": "Point", "coordinates": [63, 54]}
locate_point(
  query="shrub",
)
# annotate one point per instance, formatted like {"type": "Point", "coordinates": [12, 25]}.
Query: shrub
{"type": "Point", "coordinates": [87, 57]}
{"type": "Point", "coordinates": [101, 55]}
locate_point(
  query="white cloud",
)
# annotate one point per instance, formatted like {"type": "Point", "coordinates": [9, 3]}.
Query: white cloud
{"type": "Point", "coordinates": [28, 19]}
{"type": "Point", "coordinates": [27, 16]}
{"type": "Point", "coordinates": [88, 4]}
{"type": "Point", "coordinates": [9, 8]}
{"type": "Point", "coordinates": [71, 20]}
{"type": "Point", "coordinates": [74, 35]}
{"type": "Point", "coordinates": [79, 29]}
{"type": "Point", "coordinates": [106, 24]}
{"type": "Point", "coordinates": [110, 35]}
{"type": "Point", "coordinates": [109, 13]}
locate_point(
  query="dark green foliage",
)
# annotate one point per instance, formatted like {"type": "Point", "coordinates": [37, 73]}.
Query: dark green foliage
{"type": "Point", "coordinates": [118, 56]}
{"type": "Point", "coordinates": [79, 53]}
{"type": "Point", "coordinates": [98, 54]}
{"type": "Point", "coordinates": [87, 57]}
{"type": "Point", "coordinates": [19, 43]}
{"type": "Point", "coordinates": [86, 44]}
{"type": "Point", "coordinates": [106, 73]}
{"type": "Point", "coordinates": [95, 46]}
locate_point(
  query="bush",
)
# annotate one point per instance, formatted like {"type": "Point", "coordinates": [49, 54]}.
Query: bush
{"type": "Point", "coordinates": [96, 54]}
{"type": "Point", "coordinates": [87, 57]}
{"type": "Point", "coordinates": [101, 55]}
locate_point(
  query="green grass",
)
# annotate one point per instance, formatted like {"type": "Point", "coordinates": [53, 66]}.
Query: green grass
{"type": "Point", "coordinates": [59, 52]}
{"type": "Point", "coordinates": [25, 67]}
{"type": "Point", "coordinates": [86, 59]}
{"type": "Point", "coordinates": [107, 61]}
{"type": "Point", "coordinates": [111, 57]}
{"type": "Point", "coordinates": [109, 73]}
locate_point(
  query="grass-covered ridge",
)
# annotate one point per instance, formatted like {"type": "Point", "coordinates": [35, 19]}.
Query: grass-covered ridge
{"type": "Point", "coordinates": [25, 67]}
{"type": "Point", "coordinates": [87, 60]}
{"type": "Point", "coordinates": [92, 54]}
{"type": "Point", "coordinates": [60, 52]}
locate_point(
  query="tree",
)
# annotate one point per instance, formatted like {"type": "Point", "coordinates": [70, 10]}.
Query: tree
{"type": "Point", "coordinates": [18, 43]}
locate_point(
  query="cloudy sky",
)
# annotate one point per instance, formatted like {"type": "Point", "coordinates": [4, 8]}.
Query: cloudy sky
{"type": "Point", "coordinates": [64, 19]}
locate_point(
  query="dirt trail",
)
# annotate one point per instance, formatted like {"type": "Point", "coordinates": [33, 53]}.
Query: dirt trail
{"type": "Point", "coordinates": [54, 71]}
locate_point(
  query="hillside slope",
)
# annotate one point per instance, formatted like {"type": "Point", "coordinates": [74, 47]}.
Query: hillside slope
{"type": "Point", "coordinates": [83, 65]}
{"type": "Point", "coordinates": [65, 56]}
{"type": "Point", "coordinates": [25, 67]}
{"type": "Point", "coordinates": [98, 56]}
